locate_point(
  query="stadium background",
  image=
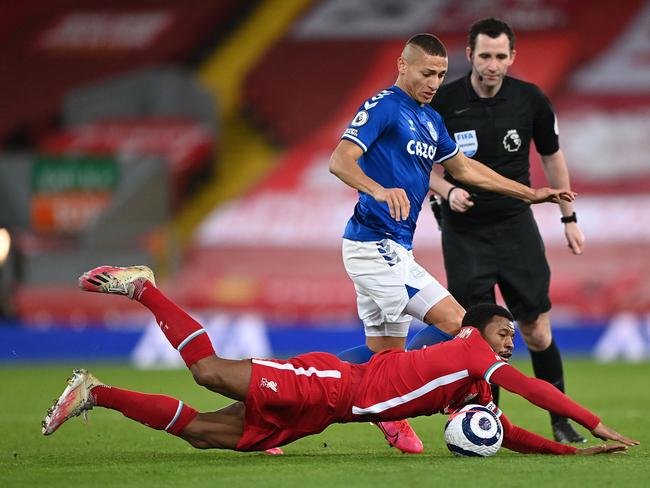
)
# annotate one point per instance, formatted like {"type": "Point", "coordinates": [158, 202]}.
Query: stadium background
{"type": "Point", "coordinates": [194, 137]}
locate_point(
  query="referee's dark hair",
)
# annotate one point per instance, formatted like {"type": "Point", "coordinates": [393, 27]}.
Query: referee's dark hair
{"type": "Point", "coordinates": [491, 27]}
{"type": "Point", "coordinates": [481, 314]}
{"type": "Point", "coordinates": [429, 43]}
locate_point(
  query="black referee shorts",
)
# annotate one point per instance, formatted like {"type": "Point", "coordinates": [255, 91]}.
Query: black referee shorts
{"type": "Point", "coordinates": [509, 254]}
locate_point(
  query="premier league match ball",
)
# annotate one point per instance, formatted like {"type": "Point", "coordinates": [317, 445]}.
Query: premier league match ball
{"type": "Point", "coordinates": [473, 430]}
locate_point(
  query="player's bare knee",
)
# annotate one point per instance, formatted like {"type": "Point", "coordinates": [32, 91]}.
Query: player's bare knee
{"type": "Point", "coordinates": [381, 343]}
{"type": "Point", "coordinates": [450, 326]}
{"type": "Point", "coordinates": [446, 315]}
{"type": "Point", "coordinates": [209, 439]}
{"type": "Point", "coordinates": [195, 435]}
{"type": "Point", "coordinates": [536, 339]}
{"type": "Point", "coordinates": [199, 374]}
{"type": "Point", "coordinates": [199, 443]}
{"type": "Point", "coordinates": [205, 374]}
{"type": "Point", "coordinates": [453, 327]}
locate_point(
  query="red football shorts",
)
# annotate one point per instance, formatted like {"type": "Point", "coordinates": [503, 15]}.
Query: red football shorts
{"type": "Point", "coordinates": [289, 399]}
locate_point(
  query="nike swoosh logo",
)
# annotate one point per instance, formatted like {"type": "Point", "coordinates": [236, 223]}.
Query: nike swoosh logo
{"type": "Point", "coordinates": [460, 111]}
{"type": "Point", "coordinates": [392, 439]}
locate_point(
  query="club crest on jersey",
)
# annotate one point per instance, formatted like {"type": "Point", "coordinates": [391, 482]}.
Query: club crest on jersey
{"type": "Point", "coordinates": [512, 141]}
{"type": "Point", "coordinates": [467, 142]}
{"type": "Point", "coordinates": [432, 131]}
{"type": "Point", "coordinates": [360, 119]}
{"type": "Point", "coordinates": [270, 384]}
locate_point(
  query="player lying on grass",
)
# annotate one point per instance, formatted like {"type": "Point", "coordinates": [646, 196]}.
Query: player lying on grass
{"type": "Point", "coordinates": [280, 401]}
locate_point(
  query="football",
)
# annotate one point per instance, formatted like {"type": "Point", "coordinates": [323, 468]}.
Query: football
{"type": "Point", "coordinates": [473, 430]}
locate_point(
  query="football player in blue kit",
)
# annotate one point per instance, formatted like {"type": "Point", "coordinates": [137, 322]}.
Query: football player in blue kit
{"type": "Point", "coordinates": [387, 153]}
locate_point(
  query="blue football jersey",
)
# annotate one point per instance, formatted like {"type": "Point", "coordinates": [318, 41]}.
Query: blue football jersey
{"type": "Point", "coordinates": [401, 140]}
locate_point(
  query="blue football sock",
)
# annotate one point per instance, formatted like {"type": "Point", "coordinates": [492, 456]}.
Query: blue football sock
{"type": "Point", "coordinates": [356, 355]}
{"type": "Point", "coordinates": [428, 336]}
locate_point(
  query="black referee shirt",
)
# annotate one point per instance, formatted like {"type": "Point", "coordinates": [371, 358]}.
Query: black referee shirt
{"type": "Point", "coordinates": [496, 131]}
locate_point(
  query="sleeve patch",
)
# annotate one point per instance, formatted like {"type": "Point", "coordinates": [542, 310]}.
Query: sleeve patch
{"type": "Point", "coordinates": [492, 406]}
{"type": "Point", "coordinates": [360, 119]}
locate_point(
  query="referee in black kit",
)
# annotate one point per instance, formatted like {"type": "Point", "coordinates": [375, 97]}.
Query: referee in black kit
{"type": "Point", "coordinates": [489, 239]}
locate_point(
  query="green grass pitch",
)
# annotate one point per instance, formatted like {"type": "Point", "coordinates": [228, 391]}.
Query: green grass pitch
{"type": "Point", "coordinates": [114, 451]}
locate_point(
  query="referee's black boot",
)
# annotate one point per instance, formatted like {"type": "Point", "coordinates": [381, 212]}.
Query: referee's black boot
{"type": "Point", "coordinates": [564, 432]}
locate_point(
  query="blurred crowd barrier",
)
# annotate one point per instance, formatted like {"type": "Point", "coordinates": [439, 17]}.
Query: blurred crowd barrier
{"type": "Point", "coordinates": [624, 337]}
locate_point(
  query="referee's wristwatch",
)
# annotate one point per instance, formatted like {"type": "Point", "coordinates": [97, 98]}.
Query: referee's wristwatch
{"type": "Point", "coordinates": [569, 218]}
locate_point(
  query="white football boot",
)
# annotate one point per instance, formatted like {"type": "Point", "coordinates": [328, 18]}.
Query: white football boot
{"type": "Point", "coordinates": [121, 281]}
{"type": "Point", "coordinates": [74, 401]}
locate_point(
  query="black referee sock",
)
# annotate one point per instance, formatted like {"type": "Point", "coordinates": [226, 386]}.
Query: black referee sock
{"type": "Point", "coordinates": [547, 365]}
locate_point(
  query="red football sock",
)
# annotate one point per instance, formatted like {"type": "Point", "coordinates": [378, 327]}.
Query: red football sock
{"type": "Point", "coordinates": [159, 412]}
{"type": "Point", "coordinates": [181, 330]}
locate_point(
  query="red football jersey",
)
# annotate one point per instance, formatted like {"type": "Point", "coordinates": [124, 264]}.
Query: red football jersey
{"type": "Point", "coordinates": [438, 379]}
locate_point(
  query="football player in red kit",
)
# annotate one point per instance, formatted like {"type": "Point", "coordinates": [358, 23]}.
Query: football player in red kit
{"type": "Point", "coordinates": [280, 401]}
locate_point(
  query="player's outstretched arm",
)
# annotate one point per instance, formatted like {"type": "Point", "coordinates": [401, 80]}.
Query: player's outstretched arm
{"type": "Point", "coordinates": [477, 174]}
{"type": "Point", "coordinates": [343, 164]}
{"type": "Point", "coordinates": [521, 440]}
{"type": "Point", "coordinates": [548, 397]}
{"type": "Point", "coordinates": [602, 449]}
{"type": "Point", "coordinates": [608, 434]}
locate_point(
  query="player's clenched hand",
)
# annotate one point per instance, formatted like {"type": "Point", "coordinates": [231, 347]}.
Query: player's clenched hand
{"type": "Point", "coordinates": [398, 202]}
{"type": "Point", "coordinates": [552, 195]}
{"type": "Point", "coordinates": [602, 449]}
{"type": "Point", "coordinates": [607, 433]}
{"type": "Point", "coordinates": [460, 200]}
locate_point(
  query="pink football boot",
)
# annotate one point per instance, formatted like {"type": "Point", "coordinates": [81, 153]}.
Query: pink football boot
{"type": "Point", "coordinates": [399, 434]}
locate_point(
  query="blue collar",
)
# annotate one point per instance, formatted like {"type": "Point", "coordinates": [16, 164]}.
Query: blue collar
{"type": "Point", "coordinates": [414, 103]}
